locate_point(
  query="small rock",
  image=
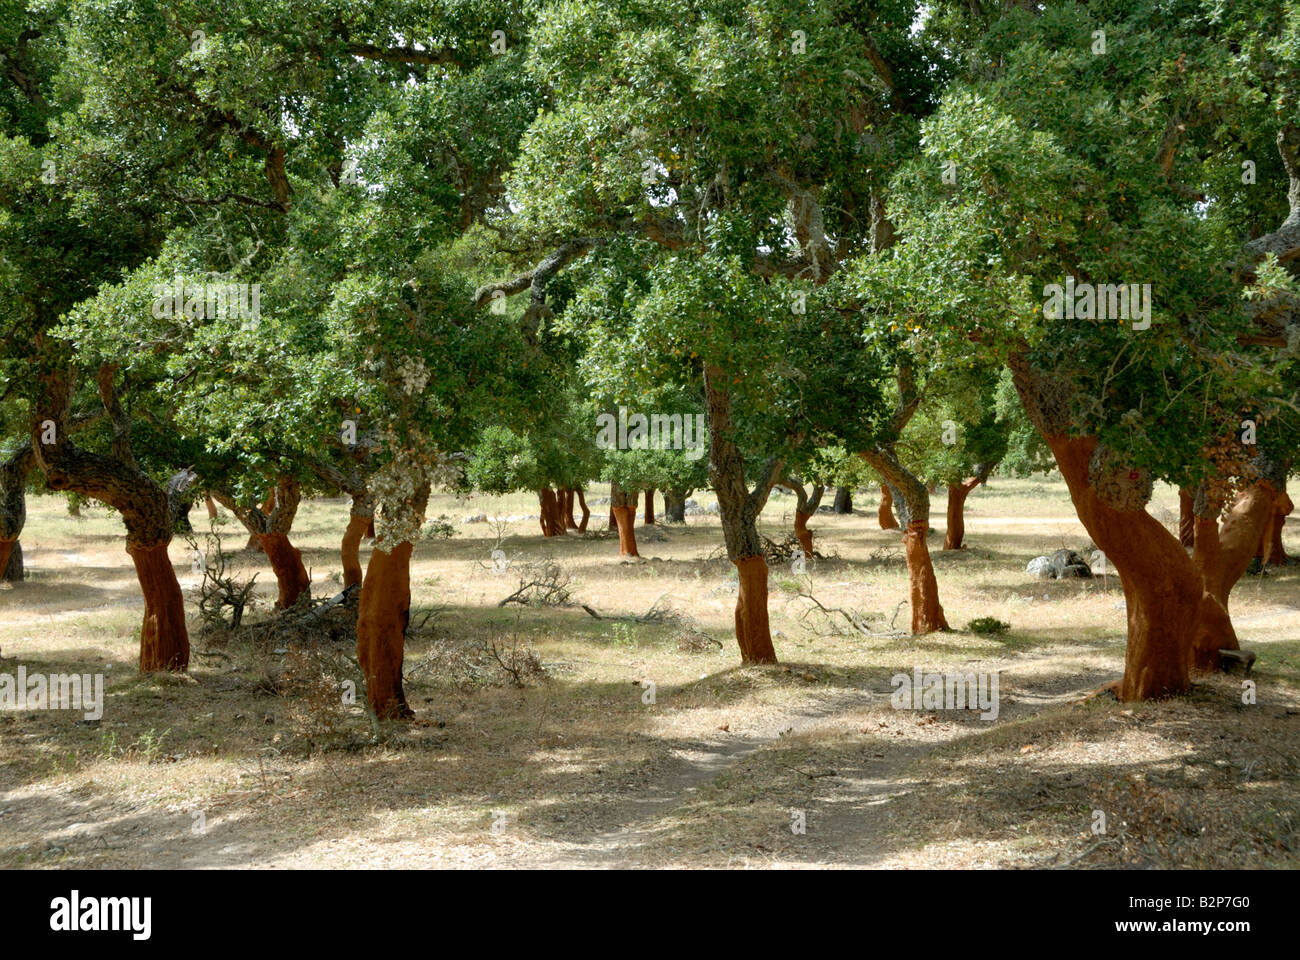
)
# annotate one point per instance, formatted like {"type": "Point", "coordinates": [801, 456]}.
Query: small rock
{"type": "Point", "coordinates": [1041, 567]}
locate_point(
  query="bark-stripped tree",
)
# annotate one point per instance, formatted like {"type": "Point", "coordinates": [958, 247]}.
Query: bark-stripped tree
{"type": "Point", "coordinates": [1100, 278]}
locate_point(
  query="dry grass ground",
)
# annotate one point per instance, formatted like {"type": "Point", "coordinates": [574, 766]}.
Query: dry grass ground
{"type": "Point", "coordinates": [238, 766]}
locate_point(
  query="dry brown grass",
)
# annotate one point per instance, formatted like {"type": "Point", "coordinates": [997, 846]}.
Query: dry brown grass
{"type": "Point", "coordinates": [577, 767]}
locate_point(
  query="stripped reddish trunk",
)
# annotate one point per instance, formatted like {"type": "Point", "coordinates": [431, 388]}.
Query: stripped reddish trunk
{"type": "Point", "coordinates": [212, 506]}
{"type": "Point", "coordinates": [885, 515]}
{"type": "Point", "coordinates": [957, 494]}
{"type": "Point", "coordinates": [550, 519]}
{"type": "Point", "coordinates": [586, 512]}
{"type": "Point", "coordinates": [1223, 551]}
{"type": "Point", "coordinates": [6, 546]}
{"type": "Point", "coordinates": [911, 498]}
{"type": "Point", "coordinates": [1271, 548]}
{"type": "Point", "coordinates": [623, 507]}
{"type": "Point", "coordinates": [649, 517]}
{"type": "Point", "coordinates": [254, 541]}
{"type": "Point", "coordinates": [1186, 519]}
{"type": "Point", "coordinates": [286, 563]}
{"type": "Point", "coordinates": [350, 551]}
{"type": "Point", "coordinates": [802, 533]}
{"type": "Point", "coordinates": [753, 632]}
{"type": "Point", "coordinates": [370, 529]}
{"type": "Point", "coordinates": [382, 616]}
{"type": "Point", "coordinates": [738, 510]}
{"type": "Point", "coordinates": [164, 639]}
{"type": "Point", "coordinates": [1170, 612]}
{"type": "Point", "coordinates": [923, 588]}
{"type": "Point", "coordinates": [566, 509]}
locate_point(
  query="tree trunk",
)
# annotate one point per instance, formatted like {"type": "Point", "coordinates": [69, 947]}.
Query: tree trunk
{"type": "Point", "coordinates": [1223, 551]}
{"type": "Point", "coordinates": [384, 608]}
{"type": "Point", "coordinates": [361, 521]}
{"type": "Point", "coordinates": [913, 504]}
{"type": "Point", "coordinates": [350, 552]}
{"type": "Point", "coordinates": [1271, 548]}
{"type": "Point", "coordinates": [738, 509]}
{"type": "Point", "coordinates": [1170, 612]}
{"type": "Point", "coordinates": [286, 563]}
{"type": "Point", "coordinates": [254, 541]}
{"type": "Point", "coordinates": [957, 494]}
{"type": "Point", "coordinates": [13, 510]}
{"type": "Point", "coordinates": [802, 533]}
{"type": "Point", "coordinates": [885, 514]}
{"type": "Point", "coordinates": [675, 505]}
{"type": "Point", "coordinates": [550, 519]}
{"type": "Point", "coordinates": [12, 571]}
{"type": "Point", "coordinates": [212, 506]}
{"type": "Point", "coordinates": [1186, 519]}
{"type": "Point", "coordinates": [753, 632]}
{"type": "Point", "coordinates": [147, 510]}
{"type": "Point", "coordinates": [649, 517]}
{"type": "Point", "coordinates": [804, 509]}
{"type": "Point", "coordinates": [270, 525]}
{"type": "Point", "coordinates": [586, 513]}
{"type": "Point", "coordinates": [383, 613]}
{"type": "Point", "coordinates": [370, 529]}
{"type": "Point", "coordinates": [566, 509]}
{"type": "Point", "coordinates": [624, 511]}
{"type": "Point", "coordinates": [164, 639]}
{"type": "Point", "coordinates": [843, 500]}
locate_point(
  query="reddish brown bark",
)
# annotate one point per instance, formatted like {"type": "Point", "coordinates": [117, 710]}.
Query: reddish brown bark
{"type": "Point", "coordinates": [1223, 551]}
{"type": "Point", "coordinates": [370, 529]}
{"type": "Point", "coordinates": [1271, 548]}
{"type": "Point", "coordinates": [286, 563]}
{"type": "Point", "coordinates": [5, 547]}
{"type": "Point", "coordinates": [164, 639]}
{"type": "Point", "coordinates": [350, 552]}
{"type": "Point", "coordinates": [957, 494]}
{"type": "Point", "coordinates": [1186, 519]}
{"type": "Point", "coordinates": [382, 616]}
{"type": "Point", "coordinates": [802, 533]}
{"type": "Point", "coordinates": [586, 512]}
{"type": "Point", "coordinates": [885, 515]}
{"type": "Point", "coordinates": [254, 541]}
{"type": "Point", "coordinates": [550, 518]}
{"type": "Point", "coordinates": [923, 588]}
{"type": "Point", "coordinates": [625, 520]}
{"type": "Point", "coordinates": [212, 506]}
{"type": "Point", "coordinates": [1169, 610]}
{"type": "Point", "coordinates": [566, 509]}
{"type": "Point", "coordinates": [649, 516]}
{"type": "Point", "coordinates": [753, 632]}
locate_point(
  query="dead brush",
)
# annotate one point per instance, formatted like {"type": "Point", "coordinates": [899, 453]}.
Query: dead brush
{"type": "Point", "coordinates": [314, 694]}
{"type": "Point", "coordinates": [691, 639]}
{"type": "Point", "coordinates": [309, 621]}
{"type": "Point", "coordinates": [471, 664]}
{"type": "Point", "coordinates": [542, 583]}
{"type": "Point", "coordinates": [518, 662]}
{"type": "Point", "coordinates": [221, 589]}
{"type": "Point", "coordinates": [785, 549]}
